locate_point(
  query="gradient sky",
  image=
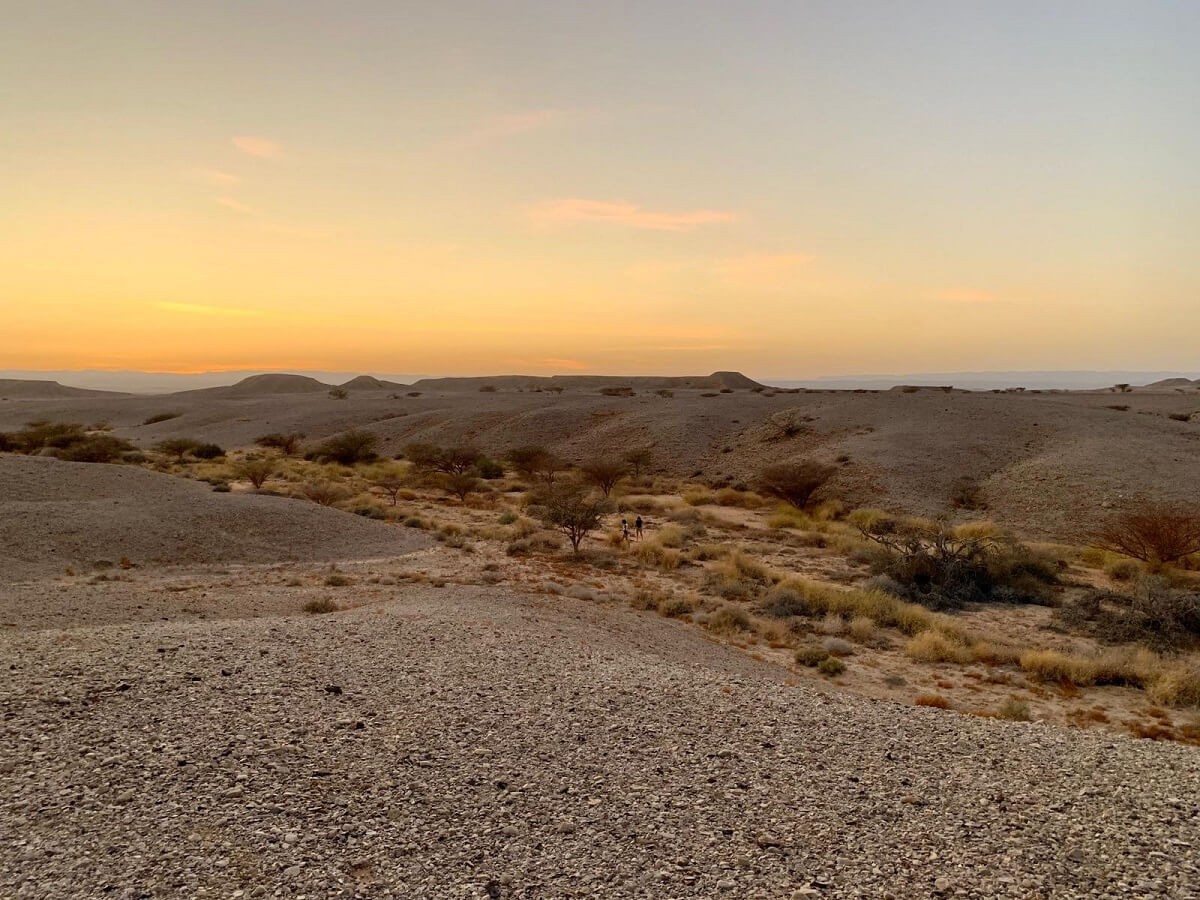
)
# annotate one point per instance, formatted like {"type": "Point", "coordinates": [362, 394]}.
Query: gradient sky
{"type": "Point", "coordinates": [786, 188]}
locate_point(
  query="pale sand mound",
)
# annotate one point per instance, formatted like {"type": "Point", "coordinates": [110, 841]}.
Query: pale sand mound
{"type": "Point", "coordinates": [55, 515]}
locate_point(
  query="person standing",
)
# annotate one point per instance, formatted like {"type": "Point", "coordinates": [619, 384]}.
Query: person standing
{"type": "Point", "coordinates": [637, 527]}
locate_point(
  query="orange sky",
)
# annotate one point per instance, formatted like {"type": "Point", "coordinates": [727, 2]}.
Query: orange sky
{"type": "Point", "coordinates": [788, 191]}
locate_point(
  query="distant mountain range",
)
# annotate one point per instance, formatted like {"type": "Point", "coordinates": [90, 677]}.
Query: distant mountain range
{"type": "Point", "coordinates": [16, 383]}
{"type": "Point", "coordinates": [1070, 380]}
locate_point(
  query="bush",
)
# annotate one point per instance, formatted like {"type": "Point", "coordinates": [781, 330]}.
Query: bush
{"type": "Point", "coordinates": [507, 517]}
{"type": "Point", "coordinates": [1155, 614]}
{"type": "Point", "coordinates": [783, 603]}
{"type": "Point", "coordinates": [831, 666]}
{"type": "Point", "coordinates": [967, 493]}
{"type": "Point", "coordinates": [161, 417]}
{"type": "Point", "coordinates": [176, 447]}
{"type": "Point", "coordinates": [324, 493]}
{"type": "Point", "coordinates": [207, 451]}
{"type": "Point", "coordinates": [288, 444]}
{"type": "Point", "coordinates": [459, 484]}
{"type": "Point", "coordinates": [934, 701]}
{"type": "Point", "coordinates": [1153, 534]}
{"type": "Point", "coordinates": [615, 391]}
{"type": "Point", "coordinates": [930, 646]}
{"type": "Point", "coordinates": [336, 579]}
{"type": "Point", "coordinates": [339, 393]}
{"type": "Point", "coordinates": [931, 564]}
{"type": "Point", "coordinates": [811, 655]}
{"type": "Point", "coordinates": [94, 448]}
{"type": "Point", "coordinates": [639, 458]}
{"type": "Point", "coordinates": [347, 448]}
{"type": "Point", "coordinates": [488, 469]}
{"type": "Point", "coordinates": [320, 606]}
{"type": "Point", "coordinates": [795, 483]}
{"type": "Point", "coordinates": [604, 473]}
{"type": "Point", "coordinates": [729, 618]}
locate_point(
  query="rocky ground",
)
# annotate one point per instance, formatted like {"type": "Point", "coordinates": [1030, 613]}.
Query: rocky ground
{"type": "Point", "coordinates": [475, 741]}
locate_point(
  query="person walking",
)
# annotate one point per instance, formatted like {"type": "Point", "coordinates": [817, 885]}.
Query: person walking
{"type": "Point", "coordinates": [625, 530]}
{"type": "Point", "coordinates": [637, 527]}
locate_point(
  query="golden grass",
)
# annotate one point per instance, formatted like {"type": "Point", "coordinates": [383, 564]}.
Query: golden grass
{"type": "Point", "coordinates": [932, 647]}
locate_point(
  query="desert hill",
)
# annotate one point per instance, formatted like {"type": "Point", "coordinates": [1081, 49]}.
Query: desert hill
{"type": "Point", "coordinates": [55, 515]}
{"type": "Point", "coordinates": [371, 383]}
{"type": "Point", "coordinates": [27, 389]}
{"type": "Point", "coordinates": [715, 381]}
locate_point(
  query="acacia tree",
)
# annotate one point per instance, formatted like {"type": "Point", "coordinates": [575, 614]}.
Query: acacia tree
{"type": "Point", "coordinates": [570, 509]}
{"type": "Point", "coordinates": [795, 483]}
{"type": "Point", "coordinates": [390, 480]}
{"type": "Point", "coordinates": [460, 484]}
{"type": "Point", "coordinates": [535, 461]}
{"type": "Point", "coordinates": [176, 447]}
{"type": "Point", "coordinates": [348, 448]}
{"type": "Point", "coordinates": [639, 458]}
{"type": "Point", "coordinates": [1154, 534]}
{"type": "Point", "coordinates": [604, 473]}
{"type": "Point", "coordinates": [288, 444]}
{"type": "Point", "coordinates": [256, 471]}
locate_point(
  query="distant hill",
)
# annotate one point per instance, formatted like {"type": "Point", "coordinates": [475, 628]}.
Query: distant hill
{"type": "Point", "coordinates": [264, 386]}
{"type": "Point", "coordinates": [371, 383]}
{"type": "Point", "coordinates": [715, 381]}
{"type": "Point", "coordinates": [1166, 384]}
{"type": "Point", "coordinates": [22, 389]}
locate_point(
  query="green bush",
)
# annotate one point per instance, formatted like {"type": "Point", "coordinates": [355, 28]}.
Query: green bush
{"type": "Point", "coordinates": [831, 666]}
{"type": "Point", "coordinates": [347, 448]}
{"type": "Point", "coordinates": [811, 655]}
{"type": "Point", "coordinates": [207, 451]}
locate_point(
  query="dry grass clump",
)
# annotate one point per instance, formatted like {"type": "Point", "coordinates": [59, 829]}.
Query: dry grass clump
{"type": "Point", "coordinates": [699, 496]}
{"type": "Point", "coordinates": [862, 629]}
{"type": "Point", "coordinates": [932, 647]}
{"type": "Point", "coordinates": [1173, 684]}
{"type": "Point", "coordinates": [319, 606]}
{"type": "Point", "coordinates": [935, 701]}
{"type": "Point", "coordinates": [832, 666]}
{"type": "Point", "coordinates": [655, 554]}
{"type": "Point", "coordinates": [675, 607]}
{"type": "Point", "coordinates": [1014, 709]}
{"type": "Point", "coordinates": [728, 619]}
{"type": "Point", "coordinates": [741, 499]}
{"type": "Point", "coordinates": [1178, 685]}
{"type": "Point", "coordinates": [336, 579]}
{"type": "Point", "coordinates": [810, 655]}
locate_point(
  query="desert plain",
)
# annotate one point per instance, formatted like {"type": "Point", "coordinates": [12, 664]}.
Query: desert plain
{"type": "Point", "coordinates": [362, 677]}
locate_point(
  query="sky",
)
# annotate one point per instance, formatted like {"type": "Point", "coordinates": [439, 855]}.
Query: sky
{"type": "Point", "coordinates": [790, 189]}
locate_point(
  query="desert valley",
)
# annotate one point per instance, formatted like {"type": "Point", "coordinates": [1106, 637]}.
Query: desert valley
{"type": "Point", "coordinates": [286, 638]}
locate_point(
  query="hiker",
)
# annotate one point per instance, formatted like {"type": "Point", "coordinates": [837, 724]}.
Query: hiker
{"type": "Point", "coordinates": [637, 527]}
{"type": "Point", "coordinates": [625, 530]}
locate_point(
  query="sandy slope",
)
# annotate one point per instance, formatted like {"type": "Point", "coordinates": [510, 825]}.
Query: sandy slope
{"type": "Point", "coordinates": [55, 515]}
{"type": "Point", "coordinates": [1049, 462]}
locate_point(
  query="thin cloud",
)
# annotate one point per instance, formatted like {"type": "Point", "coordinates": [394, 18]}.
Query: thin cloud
{"type": "Point", "coordinates": [217, 178]}
{"type": "Point", "coordinates": [498, 128]}
{"type": "Point", "coordinates": [235, 205]}
{"type": "Point", "coordinates": [965, 296]}
{"type": "Point", "coordinates": [199, 309]}
{"type": "Point", "coordinates": [629, 215]}
{"type": "Point", "coordinates": [256, 146]}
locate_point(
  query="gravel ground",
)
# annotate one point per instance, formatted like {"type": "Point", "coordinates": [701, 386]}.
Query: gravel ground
{"type": "Point", "coordinates": [475, 742]}
{"type": "Point", "coordinates": [57, 515]}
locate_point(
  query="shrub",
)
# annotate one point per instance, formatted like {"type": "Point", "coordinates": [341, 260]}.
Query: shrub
{"type": "Point", "coordinates": [488, 469]}
{"type": "Point", "coordinates": [729, 618]}
{"type": "Point", "coordinates": [782, 603]}
{"type": "Point", "coordinates": [94, 448]}
{"type": "Point", "coordinates": [288, 444]}
{"type": "Point", "coordinates": [617, 391]}
{"type": "Point", "coordinates": [320, 606]}
{"type": "Point", "coordinates": [507, 517]}
{"type": "Point", "coordinates": [256, 471]}
{"type": "Point", "coordinates": [782, 427]}
{"type": "Point", "coordinates": [534, 461]}
{"type": "Point", "coordinates": [339, 393]}
{"type": "Point", "coordinates": [665, 392]}
{"type": "Point", "coordinates": [1178, 686]}
{"type": "Point", "coordinates": [1155, 614]}
{"type": "Point", "coordinates": [795, 483]}
{"type": "Point", "coordinates": [487, 389]}
{"type": "Point", "coordinates": [967, 493]}
{"type": "Point", "coordinates": [1153, 534]}
{"type": "Point", "coordinates": [862, 629]}
{"type": "Point", "coordinates": [207, 451]}
{"type": "Point", "coordinates": [176, 447]}
{"type": "Point", "coordinates": [931, 564]}
{"type": "Point", "coordinates": [831, 666]}
{"type": "Point", "coordinates": [459, 484]}
{"type": "Point", "coordinates": [1123, 569]}
{"type": "Point", "coordinates": [568, 509]}
{"type": "Point", "coordinates": [930, 646]}
{"type": "Point", "coordinates": [324, 493]}
{"type": "Point", "coordinates": [674, 607]}
{"type": "Point", "coordinates": [604, 473]}
{"type": "Point", "coordinates": [347, 448]}
{"type": "Point", "coordinates": [160, 417]}
{"type": "Point", "coordinates": [390, 482]}
{"type": "Point", "coordinates": [1180, 417]}
{"type": "Point", "coordinates": [811, 655]}
{"type": "Point", "coordinates": [336, 579]}
{"type": "Point", "coordinates": [638, 459]}
{"type": "Point", "coordinates": [1015, 710]}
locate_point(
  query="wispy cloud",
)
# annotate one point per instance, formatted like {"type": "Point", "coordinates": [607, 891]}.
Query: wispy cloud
{"type": "Point", "coordinates": [629, 215]}
{"type": "Point", "coordinates": [500, 127]}
{"type": "Point", "coordinates": [965, 296]}
{"type": "Point", "coordinates": [235, 205]}
{"type": "Point", "coordinates": [217, 178]}
{"type": "Point", "coordinates": [256, 146]}
{"type": "Point", "coordinates": [200, 309]}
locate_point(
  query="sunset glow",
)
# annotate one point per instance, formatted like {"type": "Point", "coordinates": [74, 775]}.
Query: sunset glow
{"type": "Point", "coordinates": [788, 189]}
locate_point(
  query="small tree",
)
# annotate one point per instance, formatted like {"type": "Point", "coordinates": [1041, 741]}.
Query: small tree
{"type": "Point", "coordinates": [390, 479]}
{"type": "Point", "coordinates": [795, 483]}
{"type": "Point", "coordinates": [1153, 534]}
{"type": "Point", "coordinates": [604, 473]}
{"type": "Point", "coordinates": [256, 471]}
{"type": "Point", "coordinates": [639, 458]}
{"type": "Point", "coordinates": [176, 447]}
{"type": "Point", "coordinates": [348, 448]}
{"type": "Point", "coordinates": [535, 461]}
{"type": "Point", "coordinates": [460, 484]}
{"type": "Point", "coordinates": [324, 493]}
{"type": "Point", "coordinates": [423, 456]}
{"type": "Point", "coordinates": [570, 509]}
{"type": "Point", "coordinates": [457, 460]}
